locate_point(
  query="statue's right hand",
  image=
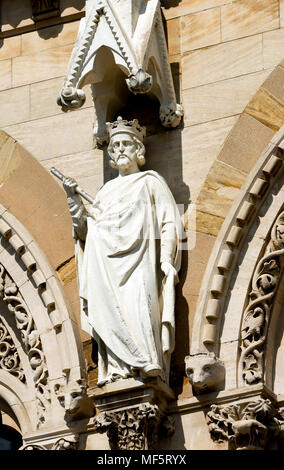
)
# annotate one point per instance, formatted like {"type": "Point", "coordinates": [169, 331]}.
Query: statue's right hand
{"type": "Point", "coordinates": [69, 185]}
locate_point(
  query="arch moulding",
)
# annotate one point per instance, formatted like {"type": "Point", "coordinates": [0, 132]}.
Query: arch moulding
{"type": "Point", "coordinates": [235, 266]}
{"type": "Point", "coordinates": [40, 346]}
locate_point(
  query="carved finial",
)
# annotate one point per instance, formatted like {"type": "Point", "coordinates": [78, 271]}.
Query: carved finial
{"type": "Point", "coordinates": [139, 83]}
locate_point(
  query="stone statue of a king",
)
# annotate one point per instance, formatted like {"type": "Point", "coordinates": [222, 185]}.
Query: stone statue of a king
{"type": "Point", "coordinates": [128, 257]}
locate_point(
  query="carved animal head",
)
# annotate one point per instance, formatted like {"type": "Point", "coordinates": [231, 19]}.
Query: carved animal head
{"type": "Point", "coordinates": [73, 397]}
{"type": "Point", "coordinates": [205, 372]}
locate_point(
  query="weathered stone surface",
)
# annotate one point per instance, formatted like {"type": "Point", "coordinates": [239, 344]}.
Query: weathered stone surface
{"type": "Point", "coordinates": [67, 271]}
{"type": "Point", "coordinates": [18, 16]}
{"type": "Point", "coordinates": [43, 97]}
{"type": "Point", "coordinates": [173, 29]}
{"type": "Point", "coordinates": [219, 189]}
{"type": "Point", "coordinates": [281, 11]}
{"type": "Point", "coordinates": [80, 165]}
{"type": "Point", "coordinates": [197, 256]}
{"type": "Point", "coordinates": [247, 17]}
{"type": "Point", "coordinates": [189, 6]}
{"type": "Point", "coordinates": [36, 205]}
{"type": "Point", "coordinates": [66, 9]}
{"type": "Point", "coordinates": [274, 83]}
{"type": "Point", "coordinates": [201, 29]}
{"type": "Point", "coordinates": [245, 143]}
{"type": "Point", "coordinates": [273, 44]}
{"type": "Point", "coordinates": [201, 145]}
{"type": "Point", "coordinates": [43, 137]}
{"type": "Point", "coordinates": [208, 223]}
{"type": "Point", "coordinates": [15, 105]}
{"type": "Point", "coordinates": [9, 158]}
{"type": "Point", "coordinates": [201, 438]}
{"type": "Point", "coordinates": [40, 66]}
{"type": "Point", "coordinates": [267, 109]}
{"type": "Point", "coordinates": [5, 74]}
{"type": "Point", "coordinates": [222, 61]}
{"type": "Point", "coordinates": [49, 38]}
{"type": "Point", "coordinates": [10, 47]}
{"type": "Point", "coordinates": [220, 99]}
{"type": "Point", "coordinates": [172, 172]}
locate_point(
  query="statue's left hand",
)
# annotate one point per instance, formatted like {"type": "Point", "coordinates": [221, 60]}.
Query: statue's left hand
{"type": "Point", "coordinates": [167, 267]}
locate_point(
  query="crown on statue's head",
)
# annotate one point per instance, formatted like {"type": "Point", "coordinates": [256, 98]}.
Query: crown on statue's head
{"type": "Point", "coordinates": [123, 126]}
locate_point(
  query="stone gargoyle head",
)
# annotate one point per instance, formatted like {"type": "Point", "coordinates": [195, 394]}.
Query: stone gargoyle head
{"type": "Point", "coordinates": [73, 397]}
{"type": "Point", "coordinates": [205, 372]}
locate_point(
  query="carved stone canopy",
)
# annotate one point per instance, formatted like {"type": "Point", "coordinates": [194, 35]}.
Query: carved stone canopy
{"type": "Point", "coordinates": [118, 41]}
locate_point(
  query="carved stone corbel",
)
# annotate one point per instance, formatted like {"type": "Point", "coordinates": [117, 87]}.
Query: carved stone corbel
{"type": "Point", "coordinates": [44, 9]}
{"type": "Point", "coordinates": [133, 428]}
{"type": "Point", "coordinates": [249, 427]}
{"type": "Point", "coordinates": [205, 372]}
{"type": "Point", "coordinates": [73, 397]}
{"type": "Point", "coordinates": [118, 42]}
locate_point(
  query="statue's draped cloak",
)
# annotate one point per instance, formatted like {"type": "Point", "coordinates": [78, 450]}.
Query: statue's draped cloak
{"type": "Point", "coordinates": [127, 305]}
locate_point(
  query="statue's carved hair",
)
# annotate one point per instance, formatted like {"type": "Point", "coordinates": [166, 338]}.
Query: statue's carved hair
{"type": "Point", "coordinates": [140, 155]}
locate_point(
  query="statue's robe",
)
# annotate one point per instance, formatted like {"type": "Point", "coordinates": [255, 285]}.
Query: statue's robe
{"type": "Point", "coordinates": [127, 303]}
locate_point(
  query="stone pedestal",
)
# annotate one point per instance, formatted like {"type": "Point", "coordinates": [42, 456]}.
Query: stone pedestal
{"type": "Point", "coordinates": [133, 413]}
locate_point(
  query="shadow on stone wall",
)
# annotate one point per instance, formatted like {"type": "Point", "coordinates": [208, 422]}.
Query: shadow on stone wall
{"type": "Point", "coordinates": [43, 13]}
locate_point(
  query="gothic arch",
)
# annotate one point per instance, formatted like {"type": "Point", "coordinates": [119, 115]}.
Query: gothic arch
{"type": "Point", "coordinates": [239, 246]}
{"type": "Point", "coordinates": [47, 338]}
{"type": "Point", "coordinates": [40, 345]}
{"type": "Point", "coordinates": [224, 188]}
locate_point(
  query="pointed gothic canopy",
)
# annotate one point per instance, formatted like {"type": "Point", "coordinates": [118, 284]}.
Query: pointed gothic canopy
{"type": "Point", "coordinates": [118, 41]}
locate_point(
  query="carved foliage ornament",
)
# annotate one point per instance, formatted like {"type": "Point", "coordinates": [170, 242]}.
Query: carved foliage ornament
{"type": "Point", "coordinates": [9, 357]}
{"type": "Point", "coordinates": [249, 427]}
{"type": "Point", "coordinates": [64, 443]}
{"type": "Point", "coordinates": [132, 428]}
{"type": "Point", "coordinates": [125, 37]}
{"type": "Point", "coordinates": [257, 314]}
{"type": "Point", "coordinates": [31, 341]}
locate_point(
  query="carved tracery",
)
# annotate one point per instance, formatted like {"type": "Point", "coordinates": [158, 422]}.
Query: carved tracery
{"type": "Point", "coordinates": [258, 311]}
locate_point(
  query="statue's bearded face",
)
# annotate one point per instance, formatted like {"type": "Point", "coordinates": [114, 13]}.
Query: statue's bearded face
{"type": "Point", "coordinates": [124, 151]}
